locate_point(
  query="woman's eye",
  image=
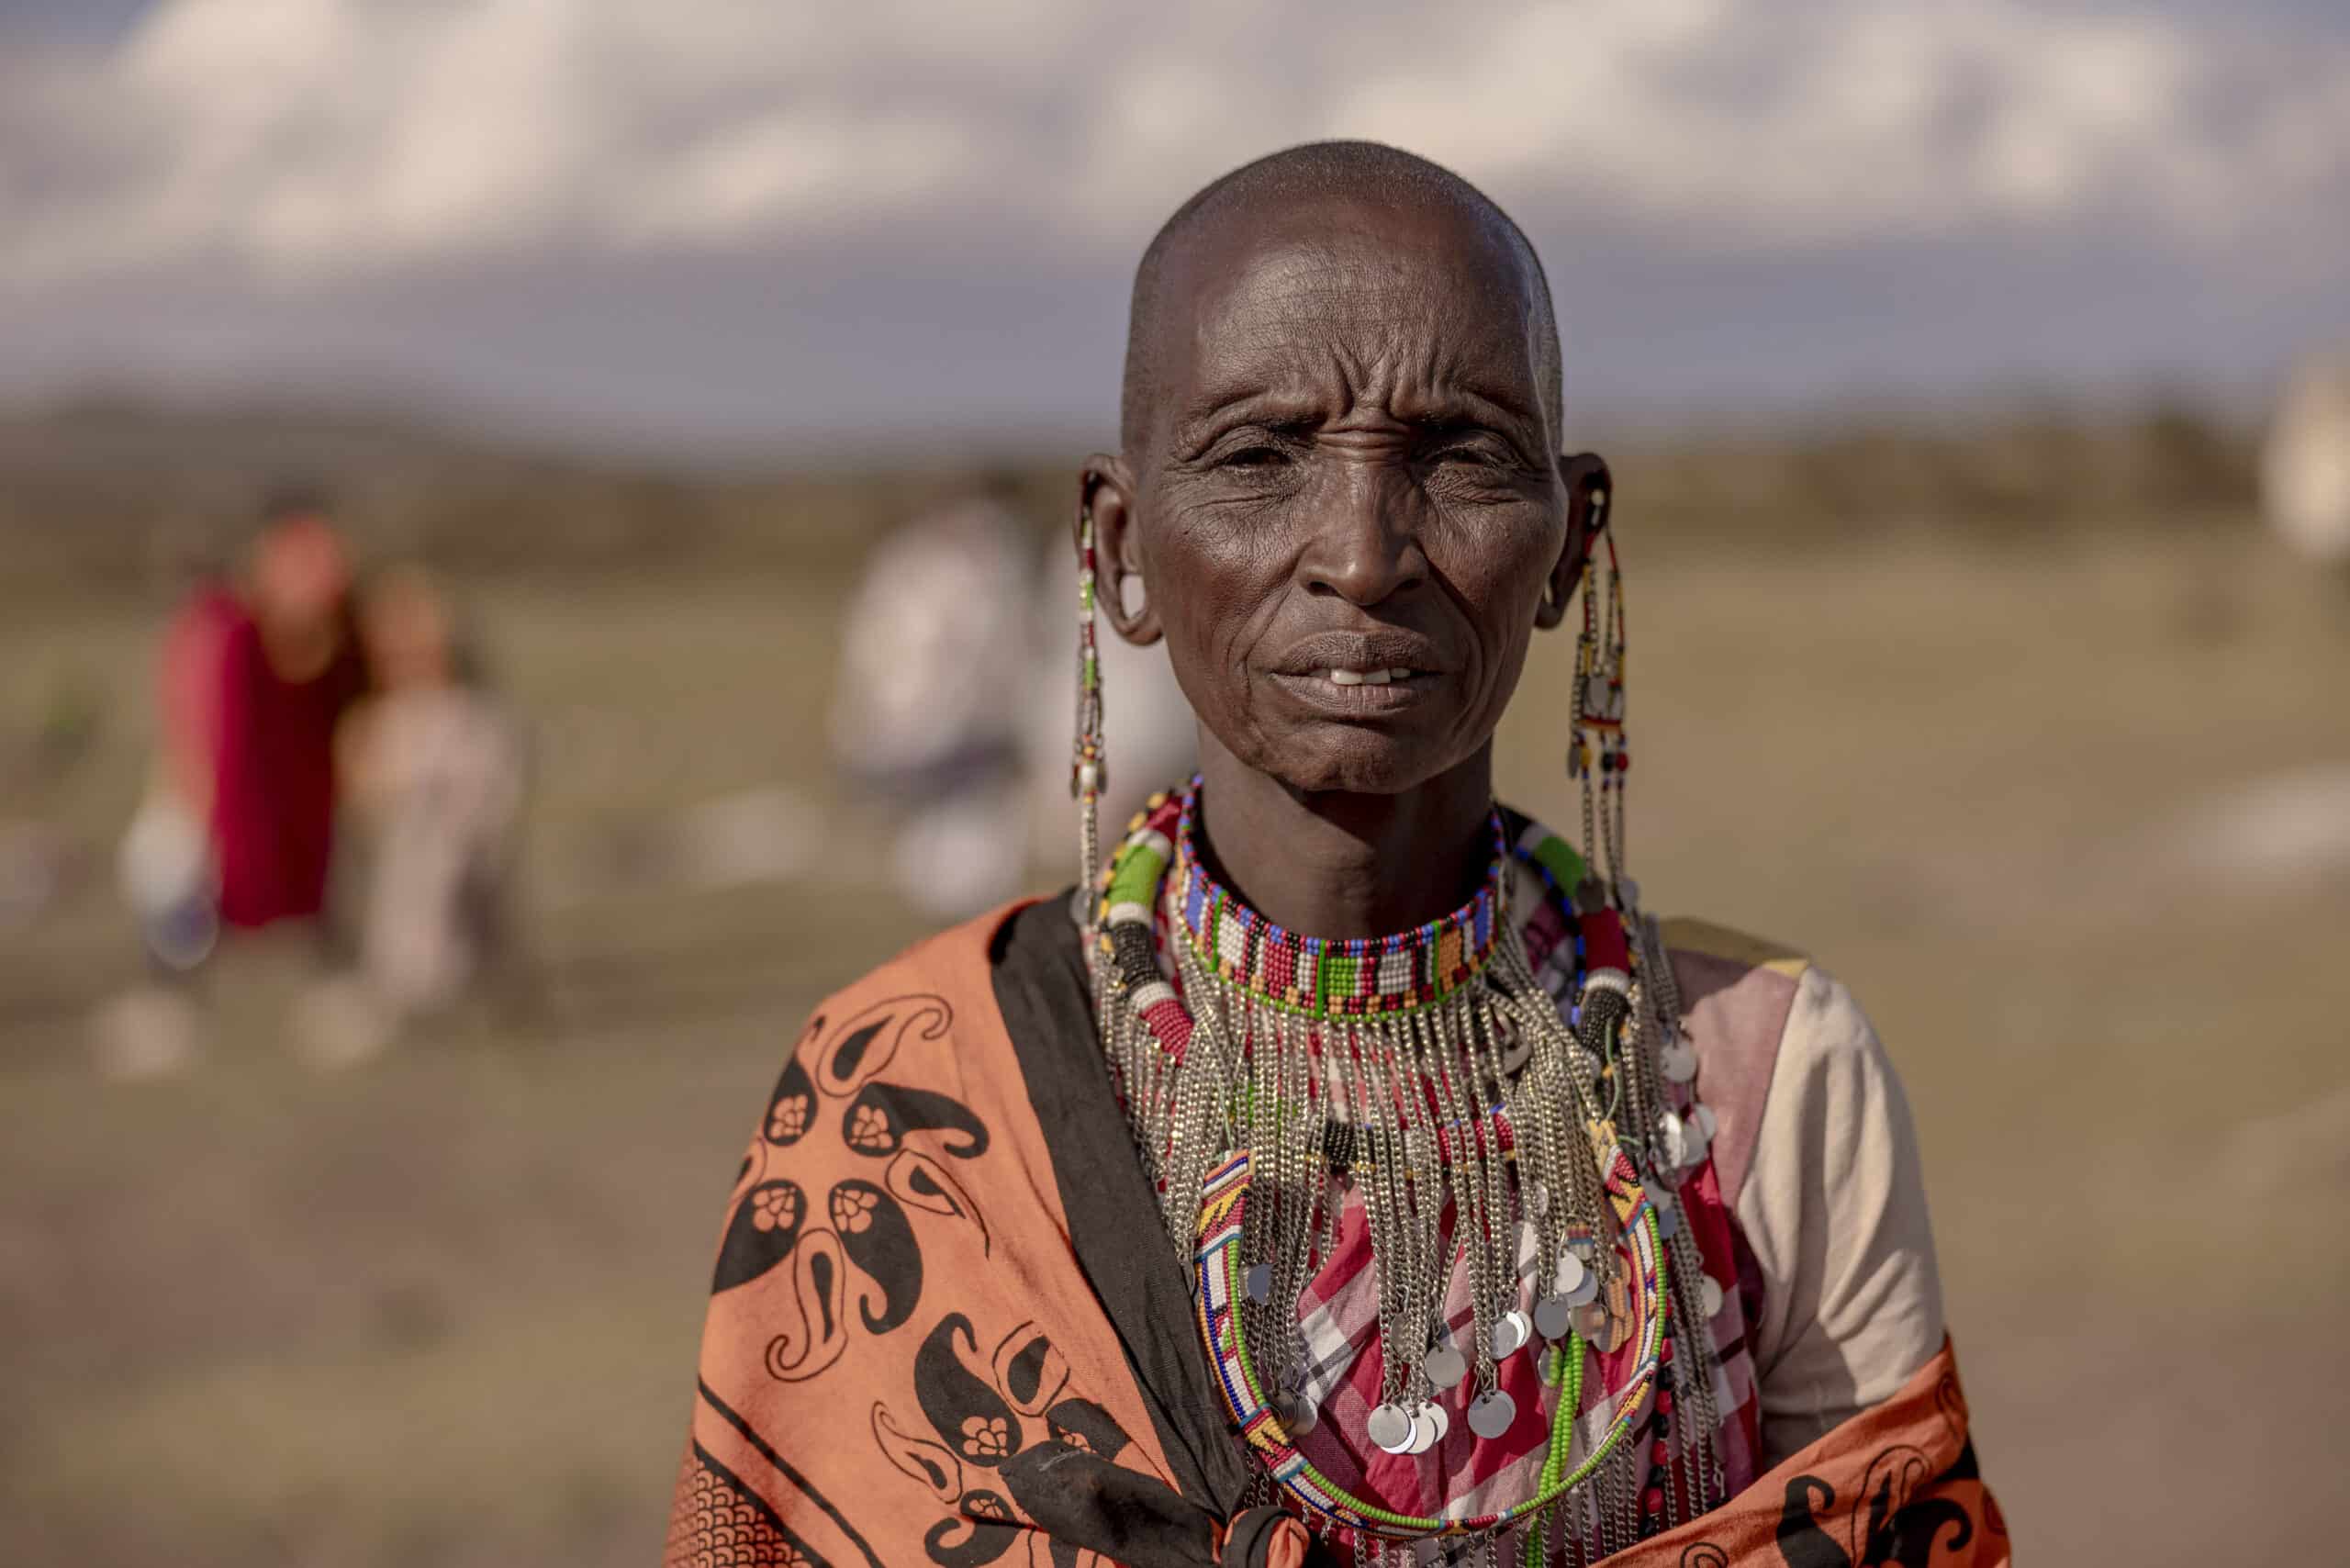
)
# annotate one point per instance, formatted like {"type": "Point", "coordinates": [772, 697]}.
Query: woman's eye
{"type": "Point", "coordinates": [1255, 457]}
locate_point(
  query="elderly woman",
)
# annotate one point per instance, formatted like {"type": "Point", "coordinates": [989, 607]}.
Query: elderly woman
{"type": "Point", "coordinates": [1350, 1167]}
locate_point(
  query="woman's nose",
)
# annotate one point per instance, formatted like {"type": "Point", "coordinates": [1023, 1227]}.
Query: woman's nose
{"type": "Point", "coordinates": [1364, 546]}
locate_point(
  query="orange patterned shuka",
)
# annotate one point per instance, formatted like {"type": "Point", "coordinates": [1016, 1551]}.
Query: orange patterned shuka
{"type": "Point", "coordinates": [906, 1363]}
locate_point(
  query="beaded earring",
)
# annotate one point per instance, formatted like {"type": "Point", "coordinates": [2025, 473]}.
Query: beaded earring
{"type": "Point", "coordinates": [1085, 780]}
{"type": "Point", "coordinates": [1597, 752]}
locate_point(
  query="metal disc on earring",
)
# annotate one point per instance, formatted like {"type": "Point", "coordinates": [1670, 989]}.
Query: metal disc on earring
{"type": "Point", "coordinates": [1594, 695]}
{"type": "Point", "coordinates": [1296, 1412]}
{"type": "Point", "coordinates": [1261, 1281]}
{"type": "Point", "coordinates": [1425, 1431]}
{"type": "Point", "coordinates": [1390, 1428]}
{"type": "Point", "coordinates": [1511, 1331]}
{"type": "Point", "coordinates": [1709, 1296]}
{"type": "Point", "coordinates": [1490, 1414]}
{"type": "Point", "coordinates": [1679, 1063]}
{"type": "Point", "coordinates": [1553, 1316]}
{"type": "Point", "coordinates": [1445, 1366]}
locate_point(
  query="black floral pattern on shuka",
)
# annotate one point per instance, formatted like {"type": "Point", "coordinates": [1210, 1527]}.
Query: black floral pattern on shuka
{"type": "Point", "coordinates": [1011, 1414]}
{"type": "Point", "coordinates": [854, 1252]}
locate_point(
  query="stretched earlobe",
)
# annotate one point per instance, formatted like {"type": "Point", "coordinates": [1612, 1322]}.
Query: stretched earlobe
{"type": "Point", "coordinates": [1104, 500]}
{"type": "Point", "coordinates": [1590, 497]}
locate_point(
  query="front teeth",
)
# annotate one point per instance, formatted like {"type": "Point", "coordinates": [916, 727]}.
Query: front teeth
{"type": "Point", "coordinates": [1365, 676]}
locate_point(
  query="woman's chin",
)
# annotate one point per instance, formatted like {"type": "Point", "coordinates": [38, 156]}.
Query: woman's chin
{"type": "Point", "coordinates": [1354, 760]}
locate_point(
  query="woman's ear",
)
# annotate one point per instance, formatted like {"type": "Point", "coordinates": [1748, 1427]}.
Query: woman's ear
{"type": "Point", "coordinates": [1590, 495]}
{"type": "Point", "coordinates": [1106, 493]}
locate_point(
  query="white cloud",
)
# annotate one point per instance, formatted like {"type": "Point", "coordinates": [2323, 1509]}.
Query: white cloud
{"type": "Point", "coordinates": [305, 140]}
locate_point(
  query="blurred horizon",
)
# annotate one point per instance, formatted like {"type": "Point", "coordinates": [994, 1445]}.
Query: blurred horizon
{"type": "Point", "coordinates": [712, 228]}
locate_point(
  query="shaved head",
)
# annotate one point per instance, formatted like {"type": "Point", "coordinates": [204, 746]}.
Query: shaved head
{"type": "Point", "coordinates": [1366, 175]}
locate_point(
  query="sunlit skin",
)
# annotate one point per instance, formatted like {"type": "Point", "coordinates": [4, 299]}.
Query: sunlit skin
{"type": "Point", "coordinates": [1349, 462]}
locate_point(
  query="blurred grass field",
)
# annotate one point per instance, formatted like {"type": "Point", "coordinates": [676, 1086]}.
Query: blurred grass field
{"type": "Point", "coordinates": [442, 1310]}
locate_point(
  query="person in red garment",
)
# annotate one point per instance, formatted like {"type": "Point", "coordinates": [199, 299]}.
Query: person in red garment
{"type": "Point", "coordinates": [237, 831]}
{"type": "Point", "coordinates": [256, 677]}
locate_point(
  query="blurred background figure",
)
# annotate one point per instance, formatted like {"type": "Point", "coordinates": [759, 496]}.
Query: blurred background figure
{"type": "Point", "coordinates": [2305, 463]}
{"type": "Point", "coordinates": [434, 768]}
{"type": "Point", "coordinates": [237, 828]}
{"type": "Point", "coordinates": [926, 719]}
{"type": "Point", "coordinates": [951, 711]}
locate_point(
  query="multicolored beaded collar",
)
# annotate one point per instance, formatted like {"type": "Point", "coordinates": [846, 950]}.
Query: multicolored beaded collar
{"type": "Point", "coordinates": [1273, 1063]}
{"type": "Point", "coordinates": [1332, 977]}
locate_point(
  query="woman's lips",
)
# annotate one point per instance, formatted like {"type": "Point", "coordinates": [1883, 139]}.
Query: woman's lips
{"type": "Point", "coordinates": [1363, 677]}
{"type": "Point", "coordinates": [1357, 693]}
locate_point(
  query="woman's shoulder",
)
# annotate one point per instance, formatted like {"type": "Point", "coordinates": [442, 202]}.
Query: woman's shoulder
{"type": "Point", "coordinates": [921, 1005]}
{"type": "Point", "coordinates": [1761, 994]}
{"type": "Point", "coordinates": [955, 960]}
{"type": "Point", "coordinates": [1774, 1032]}
{"type": "Point", "coordinates": [1736, 989]}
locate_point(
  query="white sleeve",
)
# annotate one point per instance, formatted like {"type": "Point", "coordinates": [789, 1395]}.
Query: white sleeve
{"type": "Point", "coordinates": [1834, 1209]}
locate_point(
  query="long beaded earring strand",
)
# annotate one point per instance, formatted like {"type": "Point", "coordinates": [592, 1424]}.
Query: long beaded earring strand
{"type": "Point", "coordinates": [1655, 1013]}
{"type": "Point", "coordinates": [1595, 755]}
{"type": "Point", "coordinates": [1085, 778]}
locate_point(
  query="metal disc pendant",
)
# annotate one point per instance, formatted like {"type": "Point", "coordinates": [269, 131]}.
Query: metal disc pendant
{"type": "Point", "coordinates": [1445, 1366]}
{"type": "Point", "coordinates": [1628, 893]}
{"type": "Point", "coordinates": [1511, 1331]}
{"type": "Point", "coordinates": [1568, 1275]}
{"type": "Point", "coordinates": [1425, 1431]}
{"type": "Point", "coordinates": [1585, 1290]}
{"type": "Point", "coordinates": [1553, 1316]}
{"type": "Point", "coordinates": [1390, 1428]}
{"type": "Point", "coordinates": [1709, 1296]}
{"type": "Point", "coordinates": [1297, 1412]}
{"type": "Point", "coordinates": [1535, 1195]}
{"type": "Point", "coordinates": [1490, 1414]}
{"type": "Point", "coordinates": [1668, 1217]}
{"type": "Point", "coordinates": [1591, 1322]}
{"type": "Point", "coordinates": [1671, 1142]}
{"type": "Point", "coordinates": [1707, 1124]}
{"type": "Point", "coordinates": [1435, 1412]}
{"type": "Point", "coordinates": [1679, 1063]}
{"type": "Point", "coordinates": [1261, 1281]}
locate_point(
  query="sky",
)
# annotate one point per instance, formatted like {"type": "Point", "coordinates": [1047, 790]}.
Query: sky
{"type": "Point", "coordinates": [776, 221]}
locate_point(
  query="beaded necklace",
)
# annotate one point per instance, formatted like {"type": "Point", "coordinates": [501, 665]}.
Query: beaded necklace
{"type": "Point", "coordinates": [1267, 1075]}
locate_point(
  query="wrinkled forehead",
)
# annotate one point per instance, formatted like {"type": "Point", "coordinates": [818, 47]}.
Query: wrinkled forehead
{"type": "Point", "coordinates": [1419, 301]}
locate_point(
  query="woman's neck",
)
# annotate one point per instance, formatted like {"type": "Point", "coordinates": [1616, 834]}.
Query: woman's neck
{"type": "Point", "coordinates": [1345, 865]}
